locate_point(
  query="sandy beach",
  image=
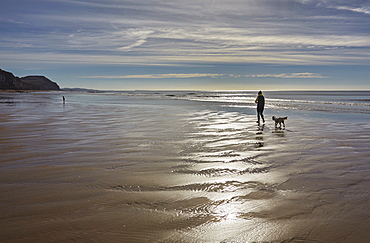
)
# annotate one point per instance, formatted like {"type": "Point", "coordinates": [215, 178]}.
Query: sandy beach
{"type": "Point", "coordinates": [114, 168]}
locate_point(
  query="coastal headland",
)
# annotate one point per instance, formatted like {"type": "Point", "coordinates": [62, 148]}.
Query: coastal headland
{"type": "Point", "coordinates": [10, 82]}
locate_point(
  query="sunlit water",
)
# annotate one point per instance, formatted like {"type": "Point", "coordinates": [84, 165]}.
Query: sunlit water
{"type": "Point", "coordinates": [184, 167]}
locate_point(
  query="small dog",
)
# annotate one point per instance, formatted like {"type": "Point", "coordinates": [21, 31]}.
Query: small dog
{"type": "Point", "coordinates": [279, 120]}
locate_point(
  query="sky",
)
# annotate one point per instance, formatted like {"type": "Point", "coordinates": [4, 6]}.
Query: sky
{"type": "Point", "coordinates": [189, 44]}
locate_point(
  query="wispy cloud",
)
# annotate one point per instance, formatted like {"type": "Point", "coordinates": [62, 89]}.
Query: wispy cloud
{"type": "Point", "coordinates": [363, 10]}
{"type": "Point", "coordinates": [136, 44]}
{"type": "Point", "coordinates": [348, 5]}
{"type": "Point", "coordinates": [160, 76]}
{"type": "Point", "coordinates": [194, 45]}
{"type": "Point", "coordinates": [287, 75]}
{"type": "Point", "coordinates": [209, 75]}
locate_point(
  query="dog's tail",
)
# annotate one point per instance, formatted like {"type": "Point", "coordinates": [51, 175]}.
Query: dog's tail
{"type": "Point", "coordinates": [285, 118]}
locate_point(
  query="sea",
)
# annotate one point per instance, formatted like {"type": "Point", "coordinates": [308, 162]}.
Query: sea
{"type": "Point", "coordinates": [184, 166]}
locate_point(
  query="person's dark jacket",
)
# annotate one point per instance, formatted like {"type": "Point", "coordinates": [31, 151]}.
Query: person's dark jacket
{"type": "Point", "coordinates": [260, 100]}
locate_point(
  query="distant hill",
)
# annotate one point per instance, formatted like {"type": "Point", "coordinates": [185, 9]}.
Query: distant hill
{"type": "Point", "coordinates": [82, 90]}
{"type": "Point", "coordinates": [10, 82]}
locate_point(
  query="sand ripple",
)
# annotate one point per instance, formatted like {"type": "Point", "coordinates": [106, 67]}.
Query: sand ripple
{"type": "Point", "coordinates": [228, 186]}
{"type": "Point", "coordinates": [224, 171]}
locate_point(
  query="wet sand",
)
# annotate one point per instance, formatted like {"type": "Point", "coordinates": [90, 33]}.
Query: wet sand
{"type": "Point", "coordinates": [177, 171]}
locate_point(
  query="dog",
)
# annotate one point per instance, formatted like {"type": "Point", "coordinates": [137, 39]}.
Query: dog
{"type": "Point", "coordinates": [279, 120]}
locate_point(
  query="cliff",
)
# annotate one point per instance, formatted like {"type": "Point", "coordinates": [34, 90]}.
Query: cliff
{"type": "Point", "coordinates": [39, 83]}
{"type": "Point", "coordinates": [9, 82]}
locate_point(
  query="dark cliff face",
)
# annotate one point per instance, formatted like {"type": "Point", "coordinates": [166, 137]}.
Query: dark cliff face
{"type": "Point", "coordinates": [9, 82]}
{"type": "Point", "coordinates": [39, 83]}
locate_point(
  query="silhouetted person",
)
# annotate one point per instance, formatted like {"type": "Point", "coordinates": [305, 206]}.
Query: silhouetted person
{"type": "Point", "coordinates": [64, 100]}
{"type": "Point", "coordinates": [260, 100]}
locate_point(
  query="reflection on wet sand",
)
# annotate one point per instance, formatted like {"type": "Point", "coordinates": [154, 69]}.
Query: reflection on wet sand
{"type": "Point", "coordinates": [127, 174]}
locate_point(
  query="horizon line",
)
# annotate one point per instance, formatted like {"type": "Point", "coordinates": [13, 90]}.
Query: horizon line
{"type": "Point", "coordinates": [210, 90]}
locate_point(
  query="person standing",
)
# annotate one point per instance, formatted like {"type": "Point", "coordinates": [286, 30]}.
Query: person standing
{"type": "Point", "coordinates": [260, 100]}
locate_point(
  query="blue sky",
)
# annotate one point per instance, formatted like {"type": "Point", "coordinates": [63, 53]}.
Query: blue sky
{"type": "Point", "coordinates": [189, 44]}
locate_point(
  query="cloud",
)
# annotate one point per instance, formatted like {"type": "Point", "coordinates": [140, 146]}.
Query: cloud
{"type": "Point", "coordinates": [136, 44]}
{"type": "Point", "coordinates": [348, 5]}
{"type": "Point", "coordinates": [209, 75]}
{"type": "Point", "coordinates": [363, 10]}
{"type": "Point", "coordinates": [191, 32]}
{"type": "Point", "coordinates": [160, 76]}
{"type": "Point", "coordinates": [283, 75]}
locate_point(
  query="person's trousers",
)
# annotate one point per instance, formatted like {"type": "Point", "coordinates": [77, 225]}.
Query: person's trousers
{"type": "Point", "coordinates": [260, 115]}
